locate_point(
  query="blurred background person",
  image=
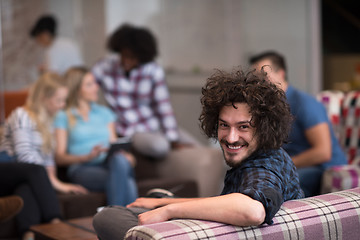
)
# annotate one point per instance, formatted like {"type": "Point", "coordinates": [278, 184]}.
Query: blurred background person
{"type": "Point", "coordinates": [312, 144]}
{"type": "Point", "coordinates": [84, 131]}
{"type": "Point", "coordinates": [28, 131]}
{"type": "Point", "coordinates": [35, 200]}
{"type": "Point", "coordinates": [134, 86]}
{"type": "Point", "coordinates": [61, 53]}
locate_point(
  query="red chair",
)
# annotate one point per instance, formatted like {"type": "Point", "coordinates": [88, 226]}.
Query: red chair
{"type": "Point", "coordinates": [14, 99]}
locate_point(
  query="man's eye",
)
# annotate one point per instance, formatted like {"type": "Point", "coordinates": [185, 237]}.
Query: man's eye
{"type": "Point", "coordinates": [223, 125]}
{"type": "Point", "coordinates": [243, 126]}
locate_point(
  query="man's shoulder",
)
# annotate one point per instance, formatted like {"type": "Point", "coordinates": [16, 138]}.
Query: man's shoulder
{"type": "Point", "coordinates": [64, 48]}
{"type": "Point", "coordinates": [109, 63]}
{"type": "Point", "coordinates": [297, 94]}
{"type": "Point", "coordinates": [151, 66]}
{"type": "Point", "coordinates": [269, 157]}
{"type": "Point", "coordinates": [303, 101]}
{"type": "Point", "coordinates": [153, 70]}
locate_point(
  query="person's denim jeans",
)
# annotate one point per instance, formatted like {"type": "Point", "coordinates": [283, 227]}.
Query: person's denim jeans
{"type": "Point", "coordinates": [4, 157]}
{"type": "Point", "coordinates": [310, 180]}
{"type": "Point", "coordinates": [116, 179]}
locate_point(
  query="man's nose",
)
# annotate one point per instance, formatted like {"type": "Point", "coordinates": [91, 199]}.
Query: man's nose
{"type": "Point", "coordinates": [232, 136]}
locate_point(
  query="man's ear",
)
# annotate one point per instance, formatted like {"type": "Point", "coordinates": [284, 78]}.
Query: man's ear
{"type": "Point", "coordinates": [282, 74]}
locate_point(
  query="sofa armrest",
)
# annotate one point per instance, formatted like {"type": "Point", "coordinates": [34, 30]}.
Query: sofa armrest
{"type": "Point", "coordinates": [328, 216]}
{"type": "Point", "coordinates": [80, 205]}
{"type": "Point", "coordinates": [339, 178]}
{"type": "Point", "coordinates": [203, 164]}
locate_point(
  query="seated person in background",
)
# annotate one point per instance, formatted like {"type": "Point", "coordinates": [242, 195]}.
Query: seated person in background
{"type": "Point", "coordinates": [249, 117]}
{"type": "Point", "coordinates": [83, 132]}
{"type": "Point", "coordinates": [61, 53]}
{"type": "Point", "coordinates": [31, 183]}
{"type": "Point", "coordinates": [312, 144]}
{"type": "Point", "coordinates": [134, 86]}
{"type": "Point", "coordinates": [27, 135]}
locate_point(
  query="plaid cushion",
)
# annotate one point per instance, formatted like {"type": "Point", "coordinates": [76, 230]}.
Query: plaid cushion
{"type": "Point", "coordinates": [344, 113]}
{"type": "Point", "coordinates": [332, 100]}
{"type": "Point", "coordinates": [329, 216]}
{"type": "Point", "coordinates": [340, 178]}
{"type": "Point", "coordinates": [349, 136]}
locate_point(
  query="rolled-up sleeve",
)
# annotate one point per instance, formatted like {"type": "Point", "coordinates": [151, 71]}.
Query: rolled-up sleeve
{"type": "Point", "coordinates": [263, 185]}
{"type": "Point", "coordinates": [270, 198]}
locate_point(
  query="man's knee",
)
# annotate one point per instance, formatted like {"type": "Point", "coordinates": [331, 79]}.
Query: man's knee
{"type": "Point", "coordinates": [114, 222]}
{"type": "Point", "coordinates": [151, 144]}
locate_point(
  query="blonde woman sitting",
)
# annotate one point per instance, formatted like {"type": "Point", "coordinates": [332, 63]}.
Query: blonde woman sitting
{"type": "Point", "coordinates": [83, 133]}
{"type": "Point", "coordinates": [28, 138]}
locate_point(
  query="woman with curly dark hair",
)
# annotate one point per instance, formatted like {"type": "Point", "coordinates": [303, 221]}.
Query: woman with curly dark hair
{"type": "Point", "coordinates": [134, 87]}
{"type": "Point", "coordinates": [250, 118]}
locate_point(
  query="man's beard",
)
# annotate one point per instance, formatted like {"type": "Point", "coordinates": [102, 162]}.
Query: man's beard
{"type": "Point", "coordinates": [229, 160]}
{"type": "Point", "coordinates": [229, 157]}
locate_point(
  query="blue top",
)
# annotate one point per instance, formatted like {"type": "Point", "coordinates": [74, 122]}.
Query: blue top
{"type": "Point", "coordinates": [308, 112]}
{"type": "Point", "coordinates": [84, 135]}
{"type": "Point", "coordinates": [269, 177]}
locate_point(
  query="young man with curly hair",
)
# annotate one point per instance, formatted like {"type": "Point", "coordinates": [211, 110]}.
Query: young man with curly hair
{"type": "Point", "coordinates": [250, 118]}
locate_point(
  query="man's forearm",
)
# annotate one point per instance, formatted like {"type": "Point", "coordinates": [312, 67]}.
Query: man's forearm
{"type": "Point", "coordinates": [236, 209]}
{"type": "Point", "coordinates": [310, 157]}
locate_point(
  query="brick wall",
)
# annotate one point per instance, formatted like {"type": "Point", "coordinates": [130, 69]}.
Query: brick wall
{"type": "Point", "coordinates": [21, 55]}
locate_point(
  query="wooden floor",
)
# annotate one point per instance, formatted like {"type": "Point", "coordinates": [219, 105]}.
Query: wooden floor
{"type": "Point", "coordinates": [74, 229]}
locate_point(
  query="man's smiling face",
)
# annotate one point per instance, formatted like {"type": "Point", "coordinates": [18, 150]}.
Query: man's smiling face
{"type": "Point", "coordinates": [235, 133]}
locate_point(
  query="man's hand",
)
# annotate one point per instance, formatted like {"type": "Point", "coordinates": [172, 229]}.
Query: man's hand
{"type": "Point", "coordinates": [149, 203]}
{"type": "Point", "coordinates": [154, 216]}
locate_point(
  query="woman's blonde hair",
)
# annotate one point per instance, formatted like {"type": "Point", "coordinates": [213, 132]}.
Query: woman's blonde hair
{"type": "Point", "coordinates": [45, 87]}
{"type": "Point", "coordinates": [74, 77]}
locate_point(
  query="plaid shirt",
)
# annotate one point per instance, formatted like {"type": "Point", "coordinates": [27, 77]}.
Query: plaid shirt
{"type": "Point", "coordinates": [140, 101]}
{"type": "Point", "coordinates": [270, 178]}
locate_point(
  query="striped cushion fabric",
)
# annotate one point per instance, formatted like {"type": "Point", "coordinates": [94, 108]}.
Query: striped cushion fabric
{"type": "Point", "coordinates": [339, 178]}
{"type": "Point", "coordinates": [344, 113]}
{"type": "Point", "coordinates": [332, 100]}
{"type": "Point", "coordinates": [350, 134]}
{"type": "Point", "coordinates": [329, 216]}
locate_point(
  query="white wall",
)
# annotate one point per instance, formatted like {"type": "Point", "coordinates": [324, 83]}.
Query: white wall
{"type": "Point", "coordinates": [136, 11]}
{"type": "Point", "coordinates": [84, 22]}
{"type": "Point", "coordinates": [191, 34]}
{"type": "Point", "coordinates": [285, 26]}
{"type": "Point", "coordinates": [206, 34]}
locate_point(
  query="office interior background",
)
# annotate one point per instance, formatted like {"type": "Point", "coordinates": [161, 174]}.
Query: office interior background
{"type": "Point", "coordinates": [319, 38]}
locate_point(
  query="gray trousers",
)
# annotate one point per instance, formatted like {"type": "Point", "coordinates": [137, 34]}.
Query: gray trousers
{"type": "Point", "coordinates": [151, 144]}
{"type": "Point", "coordinates": [113, 222]}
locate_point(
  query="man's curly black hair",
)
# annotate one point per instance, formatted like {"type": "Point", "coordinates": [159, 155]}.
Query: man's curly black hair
{"type": "Point", "coordinates": [270, 112]}
{"type": "Point", "coordinates": [140, 41]}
